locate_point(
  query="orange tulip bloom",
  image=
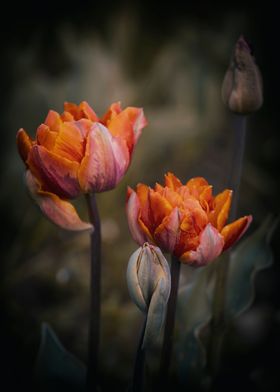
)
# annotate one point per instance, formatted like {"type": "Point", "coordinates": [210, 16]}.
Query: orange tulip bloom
{"type": "Point", "coordinates": [185, 220]}
{"type": "Point", "coordinates": [77, 152]}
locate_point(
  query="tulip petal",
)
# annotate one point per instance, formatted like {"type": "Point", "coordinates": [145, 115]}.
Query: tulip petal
{"type": "Point", "coordinates": [112, 112]}
{"type": "Point", "coordinates": [160, 207]}
{"type": "Point", "coordinates": [24, 144]}
{"type": "Point", "coordinates": [80, 111]}
{"type": "Point", "coordinates": [235, 230]}
{"type": "Point", "coordinates": [142, 191]}
{"type": "Point", "coordinates": [196, 182]}
{"type": "Point", "coordinates": [159, 300]}
{"type": "Point", "coordinates": [56, 174]}
{"type": "Point", "coordinates": [53, 121]}
{"type": "Point", "coordinates": [149, 270]}
{"type": "Point", "coordinates": [210, 247]}
{"type": "Point", "coordinates": [60, 212]}
{"type": "Point", "coordinates": [69, 142]}
{"type": "Point", "coordinates": [168, 232]}
{"type": "Point", "coordinates": [105, 162]}
{"type": "Point", "coordinates": [157, 311]}
{"type": "Point", "coordinates": [121, 126]}
{"type": "Point", "coordinates": [138, 121]}
{"type": "Point", "coordinates": [46, 137]}
{"type": "Point", "coordinates": [172, 182]}
{"type": "Point", "coordinates": [134, 288]}
{"type": "Point", "coordinates": [132, 211]}
{"type": "Point", "coordinates": [219, 215]}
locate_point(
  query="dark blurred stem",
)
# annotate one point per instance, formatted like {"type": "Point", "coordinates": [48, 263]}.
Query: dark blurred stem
{"type": "Point", "coordinates": [95, 275]}
{"type": "Point", "coordinates": [166, 352]}
{"type": "Point", "coordinates": [239, 141]}
{"type": "Point", "coordinates": [218, 321]}
{"type": "Point", "coordinates": [138, 374]}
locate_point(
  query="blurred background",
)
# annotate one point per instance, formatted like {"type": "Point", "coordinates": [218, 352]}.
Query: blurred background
{"type": "Point", "coordinates": [169, 59]}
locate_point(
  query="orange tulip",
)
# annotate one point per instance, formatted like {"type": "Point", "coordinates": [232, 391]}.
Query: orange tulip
{"type": "Point", "coordinates": [185, 220]}
{"type": "Point", "coordinates": [77, 152]}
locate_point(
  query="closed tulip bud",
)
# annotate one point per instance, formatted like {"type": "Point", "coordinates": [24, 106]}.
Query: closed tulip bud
{"type": "Point", "coordinates": [242, 85]}
{"type": "Point", "coordinates": [149, 283]}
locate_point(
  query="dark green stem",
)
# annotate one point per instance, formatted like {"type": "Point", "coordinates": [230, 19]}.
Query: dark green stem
{"type": "Point", "coordinates": [138, 374]}
{"type": "Point", "coordinates": [166, 352]}
{"type": "Point", "coordinates": [95, 286]}
{"type": "Point", "coordinates": [218, 325]}
{"type": "Point", "coordinates": [239, 141]}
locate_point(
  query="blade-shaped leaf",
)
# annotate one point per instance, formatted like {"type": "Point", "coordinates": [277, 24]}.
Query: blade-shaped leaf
{"type": "Point", "coordinates": [56, 369]}
{"type": "Point", "coordinates": [252, 255]}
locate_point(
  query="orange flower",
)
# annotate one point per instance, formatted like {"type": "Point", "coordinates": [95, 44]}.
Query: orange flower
{"type": "Point", "coordinates": [77, 152]}
{"type": "Point", "coordinates": [185, 220]}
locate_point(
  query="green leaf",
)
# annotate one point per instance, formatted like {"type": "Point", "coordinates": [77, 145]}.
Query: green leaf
{"type": "Point", "coordinates": [56, 369]}
{"type": "Point", "coordinates": [194, 312]}
{"type": "Point", "coordinates": [251, 256]}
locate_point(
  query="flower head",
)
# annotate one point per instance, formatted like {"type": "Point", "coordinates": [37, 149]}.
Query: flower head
{"type": "Point", "coordinates": [149, 283]}
{"type": "Point", "coordinates": [185, 220]}
{"type": "Point", "coordinates": [77, 152]}
{"type": "Point", "coordinates": [242, 85]}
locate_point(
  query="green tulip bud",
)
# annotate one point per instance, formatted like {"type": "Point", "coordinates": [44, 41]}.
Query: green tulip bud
{"type": "Point", "coordinates": [149, 283]}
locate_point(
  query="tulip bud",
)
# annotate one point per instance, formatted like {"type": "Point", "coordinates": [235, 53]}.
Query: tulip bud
{"type": "Point", "coordinates": [242, 85]}
{"type": "Point", "coordinates": [149, 283]}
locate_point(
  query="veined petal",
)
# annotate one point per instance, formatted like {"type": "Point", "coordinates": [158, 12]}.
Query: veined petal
{"type": "Point", "coordinates": [53, 121]}
{"type": "Point", "coordinates": [24, 144]}
{"type": "Point", "coordinates": [142, 191]}
{"type": "Point", "coordinates": [133, 283]}
{"type": "Point", "coordinates": [132, 211]}
{"type": "Point", "coordinates": [160, 207]}
{"type": "Point", "coordinates": [219, 215]}
{"type": "Point", "coordinates": [172, 182]}
{"type": "Point", "coordinates": [46, 137]}
{"type": "Point", "coordinates": [138, 121]}
{"type": "Point", "coordinates": [168, 232]}
{"type": "Point", "coordinates": [235, 230]}
{"type": "Point", "coordinates": [174, 198]}
{"type": "Point", "coordinates": [112, 112]}
{"type": "Point", "coordinates": [196, 182]}
{"type": "Point", "coordinates": [69, 142]}
{"type": "Point", "coordinates": [210, 247]}
{"type": "Point", "coordinates": [60, 212]}
{"type": "Point", "coordinates": [157, 311]}
{"type": "Point", "coordinates": [121, 126]}
{"type": "Point", "coordinates": [80, 111]}
{"type": "Point", "coordinates": [56, 174]}
{"type": "Point", "coordinates": [105, 162]}
{"type": "Point", "coordinates": [146, 230]}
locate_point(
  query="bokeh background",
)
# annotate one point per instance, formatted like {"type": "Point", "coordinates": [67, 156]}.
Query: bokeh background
{"type": "Point", "coordinates": [169, 59]}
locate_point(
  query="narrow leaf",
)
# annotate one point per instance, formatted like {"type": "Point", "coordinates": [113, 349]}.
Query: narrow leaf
{"type": "Point", "coordinates": [57, 369]}
{"type": "Point", "coordinates": [251, 256]}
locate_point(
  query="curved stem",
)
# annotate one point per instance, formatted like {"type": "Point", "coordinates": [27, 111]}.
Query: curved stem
{"type": "Point", "coordinates": [95, 287]}
{"type": "Point", "coordinates": [218, 324]}
{"type": "Point", "coordinates": [239, 141]}
{"type": "Point", "coordinates": [138, 374]}
{"type": "Point", "coordinates": [170, 322]}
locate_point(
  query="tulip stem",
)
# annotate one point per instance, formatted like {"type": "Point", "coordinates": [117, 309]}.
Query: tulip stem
{"type": "Point", "coordinates": [234, 179]}
{"type": "Point", "coordinates": [218, 324]}
{"type": "Point", "coordinates": [138, 374]}
{"type": "Point", "coordinates": [169, 323]}
{"type": "Point", "coordinates": [95, 288]}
